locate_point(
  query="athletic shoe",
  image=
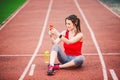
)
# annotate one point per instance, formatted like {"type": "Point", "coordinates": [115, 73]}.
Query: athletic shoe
{"type": "Point", "coordinates": [56, 66]}
{"type": "Point", "coordinates": [50, 70]}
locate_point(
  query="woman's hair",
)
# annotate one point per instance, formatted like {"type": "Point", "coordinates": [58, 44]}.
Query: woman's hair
{"type": "Point", "coordinates": [76, 21]}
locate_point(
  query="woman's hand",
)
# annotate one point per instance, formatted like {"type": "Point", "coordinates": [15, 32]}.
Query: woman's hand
{"type": "Point", "coordinates": [53, 32]}
{"type": "Point", "coordinates": [54, 36]}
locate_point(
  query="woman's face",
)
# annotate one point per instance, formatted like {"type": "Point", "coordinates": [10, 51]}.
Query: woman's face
{"type": "Point", "coordinates": [70, 26]}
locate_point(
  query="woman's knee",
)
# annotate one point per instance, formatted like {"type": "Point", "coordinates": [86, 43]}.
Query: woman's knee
{"type": "Point", "coordinates": [55, 47]}
{"type": "Point", "coordinates": [79, 60]}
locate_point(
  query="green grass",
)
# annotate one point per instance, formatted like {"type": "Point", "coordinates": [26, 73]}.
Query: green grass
{"type": "Point", "coordinates": [7, 7]}
{"type": "Point", "coordinates": [113, 4]}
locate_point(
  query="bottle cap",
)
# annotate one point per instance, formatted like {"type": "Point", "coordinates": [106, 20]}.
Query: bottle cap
{"type": "Point", "coordinates": [51, 27]}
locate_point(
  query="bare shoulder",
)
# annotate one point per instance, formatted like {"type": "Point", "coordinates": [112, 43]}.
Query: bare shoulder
{"type": "Point", "coordinates": [80, 34]}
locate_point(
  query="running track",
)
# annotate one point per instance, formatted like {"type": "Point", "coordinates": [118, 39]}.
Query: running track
{"type": "Point", "coordinates": [24, 38]}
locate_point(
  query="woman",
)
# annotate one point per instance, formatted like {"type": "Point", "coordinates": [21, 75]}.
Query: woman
{"type": "Point", "coordinates": [73, 39]}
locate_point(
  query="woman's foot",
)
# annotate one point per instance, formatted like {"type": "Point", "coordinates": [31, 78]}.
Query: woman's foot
{"type": "Point", "coordinates": [50, 70]}
{"type": "Point", "coordinates": [56, 66]}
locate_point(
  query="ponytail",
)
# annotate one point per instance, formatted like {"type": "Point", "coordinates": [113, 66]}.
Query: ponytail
{"type": "Point", "coordinates": [78, 25]}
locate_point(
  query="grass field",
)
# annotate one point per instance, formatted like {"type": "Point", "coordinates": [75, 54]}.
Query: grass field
{"type": "Point", "coordinates": [7, 7]}
{"type": "Point", "coordinates": [113, 4]}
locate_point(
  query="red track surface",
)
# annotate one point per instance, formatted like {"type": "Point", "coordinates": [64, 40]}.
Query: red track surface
{"type": "Point", "coordinates": [21, 35]}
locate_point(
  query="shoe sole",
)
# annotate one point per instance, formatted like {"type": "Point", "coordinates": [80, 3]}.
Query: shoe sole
{"type": "Point", "coordinates": [50, 73]}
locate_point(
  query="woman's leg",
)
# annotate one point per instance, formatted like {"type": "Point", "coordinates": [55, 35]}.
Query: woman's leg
{"type": "Point", "coordinates": [68, 64]}
{"type": "Point", "coordinates": [57, 52]}
{"type": "Point", "coordinates": [74, 62]}
{"type": "Point", "coordinates": [67, 61]}
{"type": "Point", "coordinates": [53, 57]}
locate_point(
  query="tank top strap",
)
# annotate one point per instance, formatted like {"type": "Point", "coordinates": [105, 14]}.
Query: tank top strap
{"type": "Point", "coordinates": [67, 34]}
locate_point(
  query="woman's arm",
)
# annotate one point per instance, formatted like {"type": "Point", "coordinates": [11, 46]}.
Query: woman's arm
{"type": "Point", "coordinates": [55, 41]}
{"type": "Point", "coordinates": [78, 37]}
{"type": "Point", "coordinates": [54, 36]}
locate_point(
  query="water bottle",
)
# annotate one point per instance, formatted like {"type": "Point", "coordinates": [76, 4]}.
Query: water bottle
{"type": "Point", "coordinates": [46, 56]}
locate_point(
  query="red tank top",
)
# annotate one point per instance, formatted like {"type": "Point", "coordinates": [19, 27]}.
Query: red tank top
{"type": "Point", "coordinates": [72, 49]}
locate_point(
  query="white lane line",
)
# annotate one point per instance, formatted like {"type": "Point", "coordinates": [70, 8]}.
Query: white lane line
{"type": "Point", "coordinates": [113, 74]}
{"type": "Point", "coordinates": [108, 8]}
{"type": "Point", "coordinates": [85, 54]}
{"type": "Point", "coordinates": [13, 15]}
{"type": "Point", "coordinates": [32, 70]}
{"type": "Point", "coordinates": [95, 42]}
{"type": "Point", "coordinates": [40, 42]}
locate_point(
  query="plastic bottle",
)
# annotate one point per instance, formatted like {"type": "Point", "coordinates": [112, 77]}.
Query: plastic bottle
{"type": "Point", "coordinates": [46, 56]}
